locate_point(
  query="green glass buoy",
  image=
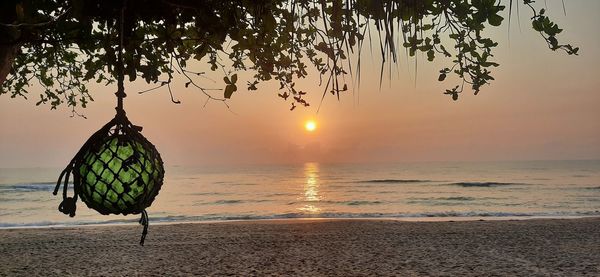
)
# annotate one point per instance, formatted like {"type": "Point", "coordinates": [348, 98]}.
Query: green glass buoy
{"type": "Point", "coordinates": [117, 171]}
{"type": "Point", "coordinates": [119, 175]}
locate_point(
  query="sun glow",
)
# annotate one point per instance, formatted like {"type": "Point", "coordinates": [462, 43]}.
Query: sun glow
{"type": "Point", "coordinates": [310, 126]}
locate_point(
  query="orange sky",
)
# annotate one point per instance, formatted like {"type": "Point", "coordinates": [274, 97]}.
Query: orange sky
{"type": "Point", "coordinates": [543, 105]}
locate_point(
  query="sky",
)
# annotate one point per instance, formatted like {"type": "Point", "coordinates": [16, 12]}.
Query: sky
{"type": "Point", "coordinates": [543, 105]}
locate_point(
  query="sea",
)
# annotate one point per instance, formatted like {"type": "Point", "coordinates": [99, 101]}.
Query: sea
{"type": "Point", "coordinates": [422, 191]}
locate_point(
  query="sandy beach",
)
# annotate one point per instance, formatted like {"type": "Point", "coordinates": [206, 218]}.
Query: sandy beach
{"type": "Point", "coordinates": [543, 247]}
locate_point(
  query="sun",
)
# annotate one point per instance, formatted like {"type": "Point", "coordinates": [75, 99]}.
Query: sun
{"type": "Point", "coordinates": [310, 126]}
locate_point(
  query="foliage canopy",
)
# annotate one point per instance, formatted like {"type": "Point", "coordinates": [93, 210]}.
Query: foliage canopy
{"type": "Point", "coordinates": [63, 45]}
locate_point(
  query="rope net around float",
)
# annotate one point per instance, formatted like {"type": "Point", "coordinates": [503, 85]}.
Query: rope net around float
{"type": "Point", "coordinates": [117, 171]}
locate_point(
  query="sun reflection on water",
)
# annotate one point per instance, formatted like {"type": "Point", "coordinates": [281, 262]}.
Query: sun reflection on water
{"type": "Point", "coordinates": [311, 188]}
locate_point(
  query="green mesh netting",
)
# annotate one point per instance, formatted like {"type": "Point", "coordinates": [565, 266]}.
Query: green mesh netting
{"type": "Point", "coordinates": [119, 175]}
{"type": "Point", "coordinates": [117, 171]}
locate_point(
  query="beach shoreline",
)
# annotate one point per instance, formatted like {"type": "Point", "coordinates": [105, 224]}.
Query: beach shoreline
{"type": "Point", "coordinates": [315, 247]}
{"type": "Point", "coordinates": [131, 221]}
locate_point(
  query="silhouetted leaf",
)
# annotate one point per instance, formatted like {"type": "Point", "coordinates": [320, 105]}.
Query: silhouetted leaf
{"type": "Point", "coordinates": [229, 89]}
{"type": "Point", "coordinates": [442, 77]}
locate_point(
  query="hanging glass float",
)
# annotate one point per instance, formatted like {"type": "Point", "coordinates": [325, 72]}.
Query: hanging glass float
{"type": "Point", "coordinates": [117, 170]}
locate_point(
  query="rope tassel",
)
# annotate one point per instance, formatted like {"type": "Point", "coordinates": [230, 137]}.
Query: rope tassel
{"type": "Point", "coordinates": [144, 221]}
{"type": "Point", "coordinates": [68, 204]}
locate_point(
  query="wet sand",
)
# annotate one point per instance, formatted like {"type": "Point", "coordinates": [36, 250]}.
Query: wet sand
{"type": "Point", "coordinates": [546, 247]}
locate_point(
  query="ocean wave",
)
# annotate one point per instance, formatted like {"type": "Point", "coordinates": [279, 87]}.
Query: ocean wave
{"type": "Point", "coordinates": [466, 201]}
{"type": "Point", "coordinates": [483, 184]}
{"type": "Point", "coordinates": [280, 194]}
{"type": "Point", "coordinates": [345, 202]}
{"type": "Point", "coordinates": [231, 201]}
{"type": "Point", "coordinates": [69, 223]}
{"type": "Point", "coordinates": [361, 203]}
{"type": "Point", "coordinates": [457, 198]}
{"type": "Point", "coordinates": [394, 181]}
{"type": "Point", "coordinates": [29, 187]}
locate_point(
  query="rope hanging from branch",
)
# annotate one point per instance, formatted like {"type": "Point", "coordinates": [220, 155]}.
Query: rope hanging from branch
{"type": "Point", "coordinates": [117, 170]}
